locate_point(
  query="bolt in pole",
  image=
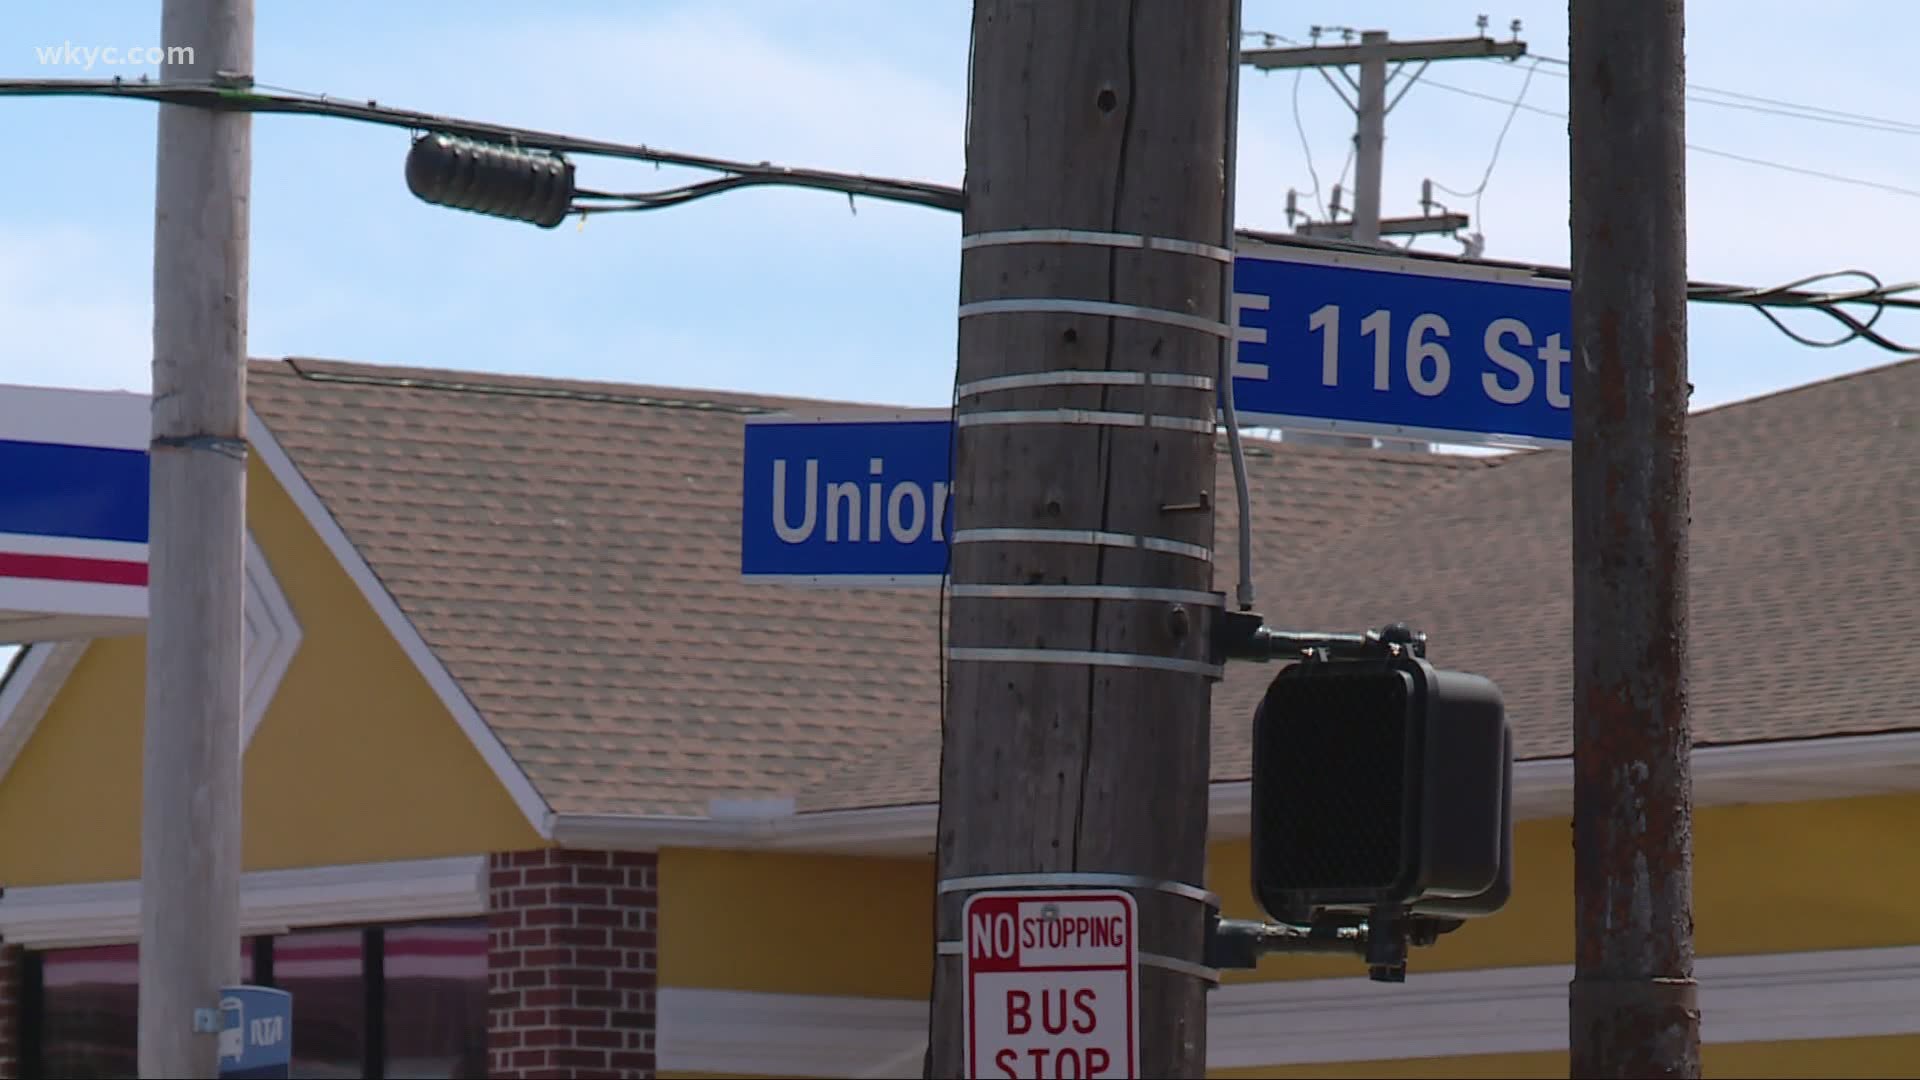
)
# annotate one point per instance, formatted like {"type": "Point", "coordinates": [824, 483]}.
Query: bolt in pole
{"type": "Point", "coordinates": [1633, 1011]}
{"type": "Point", "coordinates": [190, 809]}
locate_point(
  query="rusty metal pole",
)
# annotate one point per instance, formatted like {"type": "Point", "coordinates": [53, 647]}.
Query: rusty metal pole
{"type": "Point", "coordinates": [1633, 1010]}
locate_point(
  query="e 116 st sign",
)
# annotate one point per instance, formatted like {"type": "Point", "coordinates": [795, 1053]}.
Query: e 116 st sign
{"type": "Point", "coordinates": [1052, 985]}
{"type": "Point", "coordinates": [1414, 348]}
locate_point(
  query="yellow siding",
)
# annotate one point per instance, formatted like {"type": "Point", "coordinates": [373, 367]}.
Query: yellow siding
{"type": "Point", "coordinates": [1838, 1059]}
{"type": "Point", "coordinates": [1849, 860]}
{"type": "Point", "coordinates": [1847, 867]}
{"type": "Point", "coordinates": [355, 761]}
{"type": "Point", "coordinates": [1842, 1058]}
{"type": "Point", "coordinates": [860, 927]}
{"type": "Point", "coordinates": [796, 924]}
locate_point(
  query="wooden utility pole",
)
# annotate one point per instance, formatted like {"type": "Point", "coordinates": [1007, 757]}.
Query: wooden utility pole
{"type": "Point", "coordinates": [1076, 737]}
{"type": "Point", "coordinates": [1633, 1008]}
{"type": "Point", "coordinates": [190, 814]}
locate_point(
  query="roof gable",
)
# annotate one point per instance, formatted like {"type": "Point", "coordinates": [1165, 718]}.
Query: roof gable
{"type": "Point", "coordinates": [570, 553]}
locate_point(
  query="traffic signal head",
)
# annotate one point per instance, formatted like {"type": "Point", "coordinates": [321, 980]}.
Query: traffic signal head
{"type": "Point", "coordinates": [1381, 782]}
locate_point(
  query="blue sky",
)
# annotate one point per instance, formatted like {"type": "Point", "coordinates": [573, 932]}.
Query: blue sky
{"type": "Point", "coordinates": [786, 291]}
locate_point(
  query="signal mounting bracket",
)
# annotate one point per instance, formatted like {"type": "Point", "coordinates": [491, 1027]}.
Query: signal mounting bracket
{"type": "Point", "coordinates": [1245, 635]}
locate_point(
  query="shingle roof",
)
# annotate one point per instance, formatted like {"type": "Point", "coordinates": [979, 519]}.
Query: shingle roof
{"type": "Point", "coordinates": [574, 562]}
{"type": "Point", "coordinates": [1805, 570]}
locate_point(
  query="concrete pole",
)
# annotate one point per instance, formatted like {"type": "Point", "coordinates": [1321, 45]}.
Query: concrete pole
{"type": "Point", "coordinates": [190, 815]}
{"type": "Point", "coordinates": [1633, 1011]}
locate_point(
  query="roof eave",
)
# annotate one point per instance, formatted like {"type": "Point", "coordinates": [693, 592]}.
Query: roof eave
{"type": "Point", "coordinates": [1798, 771]}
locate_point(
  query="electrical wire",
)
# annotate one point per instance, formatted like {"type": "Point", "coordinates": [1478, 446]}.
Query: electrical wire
{"type": "Point", "coordinates": [1304, 147]}
{"type": "Point", "coordinates": [1707, 95]}
{"type": "Point", "coordinates": [1794, 295]}
{"type": "Point", "coordinates": [1801, 170]}
{"type": "Point", "coordinates": [1479, 193]}
{"type": "Point", "coordinates": [281, 101]}
{"type": "Point", "coordinates": [1230, 347]}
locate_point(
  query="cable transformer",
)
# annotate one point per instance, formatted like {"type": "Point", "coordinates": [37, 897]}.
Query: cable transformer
{"type": "Point", "coordinates": [488, 178]}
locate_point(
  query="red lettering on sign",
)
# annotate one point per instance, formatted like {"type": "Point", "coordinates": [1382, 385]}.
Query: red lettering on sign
{"type": "Point", "coordinates": [1080, 931]}
{"type": "Point", "coordinates": [1066, 1063]}
{"type": "Point", "coordinates": [1019, 1012]}
{"type": "Point", "coordinates": [1083, 1001]}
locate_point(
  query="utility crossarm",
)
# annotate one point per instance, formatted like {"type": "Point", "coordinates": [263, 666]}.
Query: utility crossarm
{"type": "Point", "coordinates": [1402, 226]}
{"type": "Point", "coordinates": [1315, 56]}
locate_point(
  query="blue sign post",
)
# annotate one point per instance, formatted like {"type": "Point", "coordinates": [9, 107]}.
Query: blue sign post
{"type": "Point", "coordinates": [1406, 348]}
{"type": "Point", "coordinates": [1335, 341]}
{"type": "Point", "coordinates": [256, 1032]}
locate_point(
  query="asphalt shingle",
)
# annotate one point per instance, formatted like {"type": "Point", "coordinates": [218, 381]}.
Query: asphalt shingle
{"type": "Point", "coordinates": [571, 552]}
{"type": "Point", "coordinates": [574, 562]}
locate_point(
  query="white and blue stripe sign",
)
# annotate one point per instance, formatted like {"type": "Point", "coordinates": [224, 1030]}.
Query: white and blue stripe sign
{"type": "Point", "coordinates": [73, 502]}
{"type": "Point", "coordinates": [1332, 341]}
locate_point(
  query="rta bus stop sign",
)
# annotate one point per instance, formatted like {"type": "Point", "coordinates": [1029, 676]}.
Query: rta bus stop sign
{"type": "Point", "coordinates": [256, 1032]}
{"type": "Point", "coordinates": [1052, 985]}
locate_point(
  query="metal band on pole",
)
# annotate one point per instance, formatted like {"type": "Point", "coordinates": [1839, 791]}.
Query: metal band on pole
{"type": "Point", "coordinates": [1091, 417]}
{"type": "Point", "coordinates": [1071, 878]}
{"type": "Point", "coordinates": [1094, 537]}
{"type": "Point", "coordinates": [1033, 379]}
{"type": "Point", "coordinates": [1089, 237]}
{"type": "Point", "coordinates": [1048, 305]}
{"type": "Point", "coordinates": [1148, 959]}
{"type": "Point", "coordinates": [1085, 592]}
{"type": "Point", "coordinates": [1137, 661]}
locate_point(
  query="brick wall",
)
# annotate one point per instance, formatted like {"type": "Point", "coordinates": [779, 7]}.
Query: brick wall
{"type": "Point", "coordinates": [9, 1010]}
{"type": "Point", "coordinates": [571, 962]}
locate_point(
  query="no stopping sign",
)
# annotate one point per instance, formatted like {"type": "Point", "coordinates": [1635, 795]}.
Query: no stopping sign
{"type": "Point", "coordinates": [1052, 985]}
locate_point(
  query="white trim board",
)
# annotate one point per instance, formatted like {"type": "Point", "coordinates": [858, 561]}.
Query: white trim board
{"type": "Point", "coordinates": [513, 778]}
{"type": "Point", "coordinates": [1811, 995]}
{"type": "Point", "coordinates": [273, 636]}
{"type": "Point", "coordinates": [53, 916]}
{"type": "Point", "coordinates": [29, 691]}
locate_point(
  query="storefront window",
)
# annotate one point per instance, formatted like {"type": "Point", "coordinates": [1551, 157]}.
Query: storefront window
{"type": "Point", "coordinates": [407, 1001]}
{"type": "Point", "coordinates": [436, 1000]}
{"type": "Point", "coordinates": [87, 1004]}
{"type": "Point", "coordinates": [324, 971]}
{"type": "Point", "coordinates": [89, 999]}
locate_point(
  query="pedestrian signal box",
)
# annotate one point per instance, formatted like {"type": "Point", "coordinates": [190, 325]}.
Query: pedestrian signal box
{"type": "Point", "coordinates": [1381, 783]}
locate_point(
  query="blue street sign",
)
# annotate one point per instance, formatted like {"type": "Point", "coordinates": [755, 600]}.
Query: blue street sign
{"type": "Point", "coordinates": [256, 1032]}
{"type": "Point", "coordinates": [1377, 345]}
{"type": "Point", "coordinates": [851, 500]}
{"type": "Point", "coordinates": [1333, 341]}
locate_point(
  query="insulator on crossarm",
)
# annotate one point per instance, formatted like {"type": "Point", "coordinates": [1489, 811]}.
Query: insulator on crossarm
{"type": "Point", "coordinates": [488, 178]}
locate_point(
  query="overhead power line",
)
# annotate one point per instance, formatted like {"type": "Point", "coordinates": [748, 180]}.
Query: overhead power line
{"type": "Point", "coordinates": [1478, 194]}
{"type": "Point", "coordinates": [259, 99]}
{"type": "Point", "coordinates": [1877, 297]}
{"type": "Point", "coordinates": [1708, 95]}
{"type": "Point", "coordinates": [1819, 174]}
